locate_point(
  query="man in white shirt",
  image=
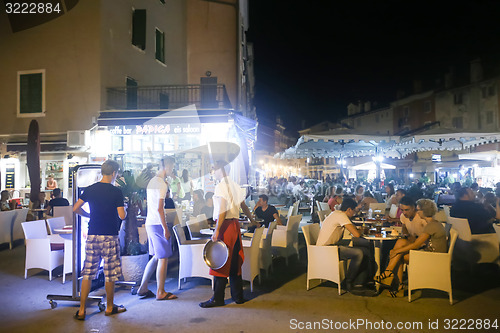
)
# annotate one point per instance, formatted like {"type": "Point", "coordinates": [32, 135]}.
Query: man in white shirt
{"type": "Point", "coordinates": [228, 198]}
{"type": "Point", "coordinates": [361, 270]}
{"type": "Point", "coordinates": [413, 224]}
{"type": "Point", "coordinates": [159, 233]}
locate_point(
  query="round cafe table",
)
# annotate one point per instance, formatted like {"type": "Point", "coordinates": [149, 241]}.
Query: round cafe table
{"type": "Point", "coordinates": [65, 230]}
{"type": "Point", "coordinates": [378, 243]}
{"type": "Point", "coordinates": [211, 232]}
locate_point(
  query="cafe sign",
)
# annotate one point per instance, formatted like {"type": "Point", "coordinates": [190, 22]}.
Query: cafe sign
{"type": "Point", "coordinates": [156, 129]}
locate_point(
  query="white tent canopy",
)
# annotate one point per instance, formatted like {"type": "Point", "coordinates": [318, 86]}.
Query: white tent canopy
{"type": "Point", "coordinates": [338, 143]}
{"type": "Point", "coordinates": [372, 166]}
{"type": "Point", "coordinates": [443, 139]}
{"type": "Point", "coordinates": [345, 143]}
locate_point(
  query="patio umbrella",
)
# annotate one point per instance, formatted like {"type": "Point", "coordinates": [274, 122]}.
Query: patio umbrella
{"type": "Point", "coordinates": [33, 159]}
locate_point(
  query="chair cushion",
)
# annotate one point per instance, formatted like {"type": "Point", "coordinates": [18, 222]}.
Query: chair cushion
{"type": "Point", "coordinates": [56, 246]}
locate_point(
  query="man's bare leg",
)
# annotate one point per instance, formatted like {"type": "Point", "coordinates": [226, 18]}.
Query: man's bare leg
{"type": "Point", "coordinates": [84, 294]}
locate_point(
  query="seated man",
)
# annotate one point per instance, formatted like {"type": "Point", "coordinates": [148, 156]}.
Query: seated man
{"type": "Point", "coordinates": [413, 224]}
{"type": "Point", "coordinates": [361, 268]}
{"type": "Point", "coordinates": [400, 193]}
{"type": "Point", "coordinates": [266, 212]}
{"type": "Point", "coordinates": [57, 201]}
{"type": "Point", "coordinates": [480, 219]}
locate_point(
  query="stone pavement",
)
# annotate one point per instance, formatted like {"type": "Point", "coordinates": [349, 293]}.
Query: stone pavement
{"type": "Point", "coordinates": [280, 304]}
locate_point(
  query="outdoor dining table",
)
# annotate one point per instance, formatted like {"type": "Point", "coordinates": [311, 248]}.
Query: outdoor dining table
{"type": "Point", "coordinates": [39, 212]}
{"type": "Point", "coordinates": [64, 230]}
{"type": "Point", "coordinates": [378, 241]}
{"type": "Point", "coordinates": [210, 231]}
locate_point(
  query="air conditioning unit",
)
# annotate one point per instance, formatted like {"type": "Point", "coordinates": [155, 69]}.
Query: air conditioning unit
{"type": "Point", "coordinates": [77, 138]}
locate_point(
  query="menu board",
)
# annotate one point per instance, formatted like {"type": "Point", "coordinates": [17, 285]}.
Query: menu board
{"type": "Point", "coordinates": [71, 168]}
{"type": "Point", "coordinates": [10, 177]}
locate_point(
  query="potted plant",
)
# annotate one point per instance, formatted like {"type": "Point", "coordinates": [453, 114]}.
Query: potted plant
{"type": "Point", "coordinates": [134, 257]}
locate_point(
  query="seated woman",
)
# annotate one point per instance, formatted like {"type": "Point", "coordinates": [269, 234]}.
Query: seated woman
{"type": "Point", "coordinates": [433, 238]}
{"type": "Point", "coordinates": [365, 203]}
{"type": "Point", "coordinates": [198, 202]}
{"type": "Point", "coordinates": [391, 196]}
{"type": "Point", "coordinates": [359, 193]}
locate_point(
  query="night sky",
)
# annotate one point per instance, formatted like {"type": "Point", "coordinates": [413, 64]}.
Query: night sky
{"type": "Point", "coordinates": [312, 58]}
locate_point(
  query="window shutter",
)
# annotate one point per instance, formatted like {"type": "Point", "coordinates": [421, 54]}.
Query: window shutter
{"type": "Point", "coordinates": [160, 46]}
{"type": "Point", "coordinates": [139, 28]}
{"type": "Point", "coordinates": [31, 93]}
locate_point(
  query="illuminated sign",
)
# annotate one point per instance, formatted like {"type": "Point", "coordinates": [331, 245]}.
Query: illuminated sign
{"type": "Point", "coordinates": [156, 129]}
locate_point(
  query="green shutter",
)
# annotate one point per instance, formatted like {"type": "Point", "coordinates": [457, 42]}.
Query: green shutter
{"type": "Point", "coordinates": [30, 93]}
{"type": "Point", "coordinates": [160, 46]}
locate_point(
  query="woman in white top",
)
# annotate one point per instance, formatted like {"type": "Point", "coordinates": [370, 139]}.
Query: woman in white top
{"type": "Point", "coordinates": [391, 196]}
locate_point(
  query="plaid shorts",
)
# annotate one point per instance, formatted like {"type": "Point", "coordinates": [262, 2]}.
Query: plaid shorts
{"type": "Point", "coordinates": [102, 247]}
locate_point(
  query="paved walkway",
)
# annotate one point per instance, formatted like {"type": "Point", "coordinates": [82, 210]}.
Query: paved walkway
{"type": "Point", "coordinates": [280, 304]}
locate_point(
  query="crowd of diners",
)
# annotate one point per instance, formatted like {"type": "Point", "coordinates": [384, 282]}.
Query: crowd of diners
{"type": "Point", "coordinates": [416, 210]}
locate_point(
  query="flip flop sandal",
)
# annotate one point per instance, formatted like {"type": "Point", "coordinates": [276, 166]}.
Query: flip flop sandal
{"type": "Point", "coordinates": [78, 317]}
{"type": "Point", "coordinates": [148, 294]}
{"type": "Point", "coordinates": [116, 309]}
{"type": "Point", "coordinates": [167, 297]}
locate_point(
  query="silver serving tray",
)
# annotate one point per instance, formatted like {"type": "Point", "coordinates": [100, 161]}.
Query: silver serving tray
{"type": "Point", "coordinates": [215, 254]}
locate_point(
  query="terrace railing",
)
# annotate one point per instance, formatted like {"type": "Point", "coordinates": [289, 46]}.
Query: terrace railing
{"type": "Point", "coordinates": [204, 96]}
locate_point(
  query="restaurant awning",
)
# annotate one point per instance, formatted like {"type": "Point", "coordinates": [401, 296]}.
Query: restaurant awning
{"type": "Point", "coordinates": [444, 139]}
{"type": "Point", "coordinates": [183, 115]}
{"type": "Point", "coordinates": [372, 166]}
{"type": "Point", "coordinates": [482, 156]}
{"type": "Point", "coordinates": [344, 142]}
{"type": "Point", "coordinates": [339, 142]}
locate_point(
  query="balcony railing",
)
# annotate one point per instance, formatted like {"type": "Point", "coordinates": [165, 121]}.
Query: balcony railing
{"type": "Point", "coordinates": [204, 96]}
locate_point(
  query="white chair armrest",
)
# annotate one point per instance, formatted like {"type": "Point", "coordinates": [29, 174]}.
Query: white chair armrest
{"type": "Point", "coordinates": [40, 244]}
{"type": "Point", "coordinates": [419, 259]}
{"type": "Point", "coordinates": [55, 239]}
